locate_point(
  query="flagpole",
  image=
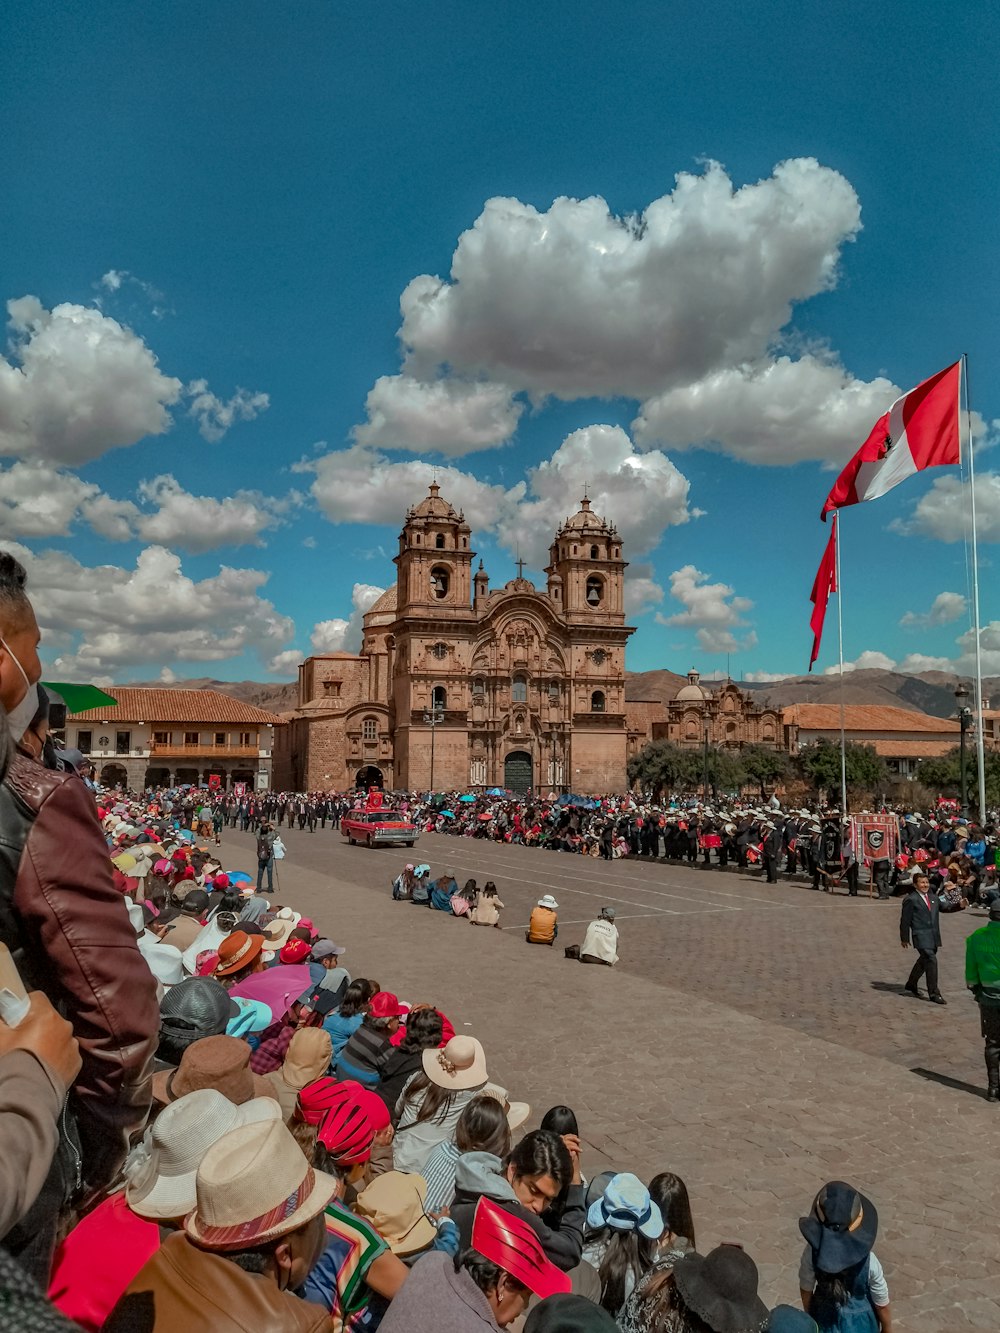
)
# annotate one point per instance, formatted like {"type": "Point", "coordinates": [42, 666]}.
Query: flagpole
{"type": "Point", "coordinates": [980, 748]}
{"type": "Point", "coordinates": [840, 633]}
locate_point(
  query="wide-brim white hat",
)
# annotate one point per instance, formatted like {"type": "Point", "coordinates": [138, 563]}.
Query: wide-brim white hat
{"type": "Point", "coordinates": [163, 1182]}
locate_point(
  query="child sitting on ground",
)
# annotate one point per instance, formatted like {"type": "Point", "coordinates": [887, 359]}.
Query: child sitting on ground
{"type": "Point", "coordinates": [487, 908]}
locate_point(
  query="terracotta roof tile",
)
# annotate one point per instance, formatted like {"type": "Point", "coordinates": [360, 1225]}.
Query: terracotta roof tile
{"type": "Point", "coordinates": [147, 705]}
{"type": "Point", "coordinates": [912, 749]}
{"type": "Point", "coordinates": [866, 717]}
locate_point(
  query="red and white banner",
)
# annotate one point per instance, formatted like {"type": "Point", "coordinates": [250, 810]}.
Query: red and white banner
{"type": "Point", "coordinates": [825, 583]}
{"type": "Point", "coordinates": [874, 837]}
{"type": "Point", "coordinates": [919, 431]}
{"type": "Point", "coordinates": [214, 781]}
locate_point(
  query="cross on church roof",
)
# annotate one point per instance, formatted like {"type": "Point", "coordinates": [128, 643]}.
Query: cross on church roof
{"type": "Point", "coordinates": [520, 567]}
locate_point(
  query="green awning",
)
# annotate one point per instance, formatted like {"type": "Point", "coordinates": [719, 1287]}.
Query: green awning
{"type": "Point", "coordinates": [78, 698]}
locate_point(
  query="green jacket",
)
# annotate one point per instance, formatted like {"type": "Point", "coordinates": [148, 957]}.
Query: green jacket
{"type": "Point", "coordinates": [982, 964]}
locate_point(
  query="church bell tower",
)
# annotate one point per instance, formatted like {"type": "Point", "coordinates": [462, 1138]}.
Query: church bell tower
{"type": "Point", "coordinates": [434, 560]}
{"type": "Point", "coordinates": [586, 571]}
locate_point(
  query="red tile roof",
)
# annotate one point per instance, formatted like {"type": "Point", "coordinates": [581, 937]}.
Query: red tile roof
{"type": "Point", "coordinates": [143, 705]}
{"type": "Point", "coordinates": [929, 749]}
{"type": "Point", "coordinates": [866, 717]}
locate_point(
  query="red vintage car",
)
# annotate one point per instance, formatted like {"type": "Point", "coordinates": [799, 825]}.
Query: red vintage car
{"type": "Point", "coordinates": [379, 828]}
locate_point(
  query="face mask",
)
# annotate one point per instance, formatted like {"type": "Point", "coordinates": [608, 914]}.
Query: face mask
{"type": "Point", "coordinates": [19, 717]}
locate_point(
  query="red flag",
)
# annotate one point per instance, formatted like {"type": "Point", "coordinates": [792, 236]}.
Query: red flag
{"type": "Point", "coordinates": [825, 584]}
{"type": "Point", "coordinates": [214, 781]}
{"type": "Point", "coordinates": [919, 431]}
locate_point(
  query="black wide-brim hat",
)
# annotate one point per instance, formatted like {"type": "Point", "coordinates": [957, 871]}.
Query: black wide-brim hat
{"type": "Point", "coordinates": [721, 1289]}
{"type": "Point", "coordinates": [841, 1228]}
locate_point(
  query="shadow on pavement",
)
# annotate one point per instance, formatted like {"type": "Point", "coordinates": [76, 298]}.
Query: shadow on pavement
{"type": "Point", "coordinates": [947, 1082]}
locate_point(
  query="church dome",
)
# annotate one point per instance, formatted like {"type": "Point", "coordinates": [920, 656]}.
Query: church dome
{"type": "Point", "coordinates": [433, 506]}
{"type": "Point", "coordinates": [692, 691]}
{"type": "Point", "coordinates": [387, 602]}
{"type": "Point", "coordinates": [586, 521]}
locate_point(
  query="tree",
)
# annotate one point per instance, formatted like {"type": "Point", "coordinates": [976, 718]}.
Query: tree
{"type": "Point", "coordinates": [943, 774]}
{"type": "Point", "coordinates": [661, 765]}
{"type": "Point", "coordinates": [765, 766]}
{"type": "Point", "coordinates": [726, 771]}
{"type": "Point", "coordinates": [821, 764]}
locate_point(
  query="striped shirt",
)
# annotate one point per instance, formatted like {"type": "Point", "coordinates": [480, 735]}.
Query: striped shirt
{"type": "Point", "coordinates": [338, 1280]}
{"type": "Point", "coordinates": [439, 1172]}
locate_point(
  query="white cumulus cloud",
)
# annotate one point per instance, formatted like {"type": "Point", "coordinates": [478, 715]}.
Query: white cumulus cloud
{"type": "Point", "coordinates": [39, 501]}
{"type": "Point", "coordinates": [771, 412]}
{"type": "Point", "coordinates": [869, 660]}
{"type": "Point", "coordinates": [199, 523]}
{"type": "Point", "coordinates": [151, 613]}
{"type": "Point", "coordinates": [946, 608]}
{"type": "Point", "coordinates": [216, 415]}
{"type": "Point", "coordinates": [943, 512]}
{"type": "Point", "coordinates": [713, 610]}
{"type": "Point", "coordinates": [78, 384]}
{"type": "Point", "coordinates": [451, 416]}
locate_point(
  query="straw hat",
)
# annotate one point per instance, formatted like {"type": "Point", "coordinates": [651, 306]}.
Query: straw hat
{"type": "Point", "coordinates": [458, 1066]}
{"type": "Point", "coordinates": [255, 1185]}
{"type": "Point", "coordinates": [517, 1112]}
{"type": "Point", "coordinates": [163, 1183]}
{"type": "Point", "coordinates": [285, 921]}
{"type": "Point", "coordinates": [307, 1058]}
{"type": "Point", "coordinates": [394, 1204]}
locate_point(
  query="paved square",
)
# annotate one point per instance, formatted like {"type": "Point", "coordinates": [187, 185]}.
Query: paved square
{"type": "Point", "coordinates": [753, 1038]}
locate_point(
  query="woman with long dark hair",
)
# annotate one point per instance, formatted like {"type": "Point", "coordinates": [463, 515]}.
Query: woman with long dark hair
{"type": "Point", "coordinates": [343, 1024]}
{"type": "Point", "coordinates": [652, 1297]}
{"type": "Point", "coordinates": [840, 1280]}
{"type": "Point", "coordinates": [424, 1029]}
{"type": "Point", "coordinates": [483, 1129]}
{"type": "Point", "coordinates": [624, 1227]}
{"type": "Point", "coordinates": [432, 1101]}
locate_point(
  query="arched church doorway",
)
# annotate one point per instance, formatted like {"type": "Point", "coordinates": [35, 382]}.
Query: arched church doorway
{"type": "Point", "coordinates": [517, 771]}
{"type": "Point", "coordinates": [368, 777]}
{"type": "Point", "coordinates": [114, 775]}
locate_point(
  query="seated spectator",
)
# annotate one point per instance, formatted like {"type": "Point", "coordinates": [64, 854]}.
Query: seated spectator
{"type": "Point", "coordinates": [483, 1127]}
{"type": "Point", "coordinates": [222, 1063]}
{"type": "Point", "coordinates": [600, 943]}
{"type": "Point", "coordinates": [524, 1184]}
{"type": "Point", "coordinates": [239, 958]}
{"type": "Point", "coordinates": [421, 890]}
{"type": "Point", "coordinates": [357, 1274]}
{"type": "Point", "coordinates": [366, 1053]}
{"type": "Point", "coordinates": [712, 1293]}
{"type": "Point", "coordinates": [543, 924]}
{"type": "Point", "coordinates": [104, 1251]}
{"type": "Point", "coordinates": [488, 907]}
{"type": "Point", "coordinates": [443, 890]}
{"type": "Point", "coordinates": [254, 1236]}
{"type": "Point", "coordinates": [488, 1284]}
{"type": "Point", "coordinates": [568, 1314]}
{"type": "Point", "coordinates": [188, 925]}
{"type": "Point", "coordinates": [197, 1007]}
{"type": "Point", "coordinates": [395, 1205]}
{"type": "Point", "coordinates": [841, 1281]}
{"type": "Point", "coordinates": [624, 1227]}
{"type": "Point", "coordinates": [331, 974]}
{"type": "Point", "coordinates": [562, 1120]}
{"type": "Point", "coordinates": [642, 1307]}
{"type": "Point", "coordinates": [306, 1060]}
{"type": "Point", "coordinates": [428, 1109]}
{"type": "Point", "coordinates": [402, 885]}
{"type": "Point", "coordinates": [424, 1029]}
{"type": "Point", "coordinates": [348, 1018]}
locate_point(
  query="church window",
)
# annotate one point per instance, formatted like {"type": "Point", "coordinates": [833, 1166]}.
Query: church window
{"type": "Point", "coordinates": [439, 697]}
{"type": "Point", "coordinates": [478, 686]}
{"type": "Point", "coordinates": [439, 582]}
{"type": "Point", "coordinates": [439, 541]}
{"type": "Point", "coordinates": [519, 690]}
{"type": "Point", "coordinates": [595, 590]}
{"type": "Point", "coordinates": [574, 550]}
{"type": "Point", "coordinates": [440, 651]}
{"type": "Point", "coordinates": [593, 553]}
{"type": "Point", "coordinates": [597, 701]}
{"type": "Point", "coordinates": [369, 729]}
{"type": "Point", "coordinates": [554, 691]}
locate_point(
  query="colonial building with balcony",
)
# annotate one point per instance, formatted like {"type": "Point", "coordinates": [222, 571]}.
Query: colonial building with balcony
{"type": "Point", "coordinates": [161, 737]}
{"type": "Point", "coordinates": [461, 685]}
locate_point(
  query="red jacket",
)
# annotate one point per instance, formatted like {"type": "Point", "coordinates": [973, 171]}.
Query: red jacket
{"type": "Point", "coordinates": [77, 945]}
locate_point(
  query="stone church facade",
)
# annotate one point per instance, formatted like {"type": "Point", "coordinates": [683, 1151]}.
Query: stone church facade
{"type": "Point", "coordinates": [458, 685]}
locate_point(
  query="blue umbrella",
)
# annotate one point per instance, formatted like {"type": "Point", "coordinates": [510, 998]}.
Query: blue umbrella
{"type": "Point", "coordinates": [186, 834]}
{"type": "Point", "coordinates": [495, 791]}
{"type": "Point", "coordinates": [447, 814]}
{"type": "Point", "coordinates": [466, 798]}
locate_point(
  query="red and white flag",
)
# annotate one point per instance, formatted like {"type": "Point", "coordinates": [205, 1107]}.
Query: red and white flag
{"type": "Point", "coordinates": [919, 431]}
{"type": "Point", "coordinates": [824, 585]}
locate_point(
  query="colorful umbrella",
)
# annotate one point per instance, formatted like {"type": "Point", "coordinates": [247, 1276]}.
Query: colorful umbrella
{"type": "Point", "coordinates": [467, 798]}
{"type": "Point", "coordinates": [239, 877]}
{"type": "Point", "coordinates": [277, 987]}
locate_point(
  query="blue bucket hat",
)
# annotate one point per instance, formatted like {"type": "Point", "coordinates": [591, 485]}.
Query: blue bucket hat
{"type": "Point", "coordinates": [626, 1205]}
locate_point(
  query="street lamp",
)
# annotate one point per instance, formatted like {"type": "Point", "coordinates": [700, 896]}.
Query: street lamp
{"type": "Point", "coordinates": [964, 722]}
{"type": "Point", "coordinates": [705, 763]}
{"type": "Point", "coordinates": [433, 718]}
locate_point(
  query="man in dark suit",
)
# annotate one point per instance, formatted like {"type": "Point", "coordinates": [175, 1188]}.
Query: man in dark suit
{"type": "Point", "coordinates": [919, 922]}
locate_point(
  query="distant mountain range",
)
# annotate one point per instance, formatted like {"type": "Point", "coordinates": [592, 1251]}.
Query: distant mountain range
{"type": "Point", "coordinates": [930, 692]}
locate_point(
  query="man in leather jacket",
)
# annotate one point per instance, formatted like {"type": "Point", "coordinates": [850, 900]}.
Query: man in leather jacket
{"type": "Point", "coordinates": [67, 926]}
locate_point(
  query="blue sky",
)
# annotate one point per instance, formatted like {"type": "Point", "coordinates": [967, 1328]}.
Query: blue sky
{"type": "Point", "coordinates": [209, 426]}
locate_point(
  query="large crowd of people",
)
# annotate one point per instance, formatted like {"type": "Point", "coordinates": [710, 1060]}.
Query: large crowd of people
{"type": "Point", "coordinates": [209, 1123]}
